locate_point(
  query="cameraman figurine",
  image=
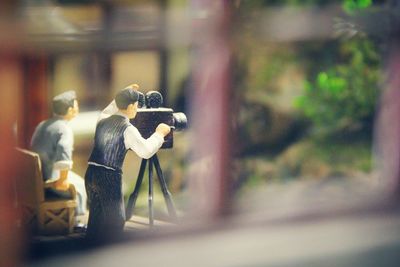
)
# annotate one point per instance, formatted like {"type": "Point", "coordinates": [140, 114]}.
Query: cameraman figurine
{"type": "Point", "coordinates": [103, 179]}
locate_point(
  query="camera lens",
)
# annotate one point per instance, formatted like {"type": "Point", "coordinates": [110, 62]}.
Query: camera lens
{"type": "Point", "coordinates": [154, 99]}
{"type": "Point", "coordinates": [141, 100]}
{"type": "Point", "coordinates": [180, 121]}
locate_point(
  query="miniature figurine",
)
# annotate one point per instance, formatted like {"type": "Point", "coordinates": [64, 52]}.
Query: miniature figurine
{"type": "Point", "coordinates": [113, 137]}
{"type": "Point", "coordinates": [53, 140]}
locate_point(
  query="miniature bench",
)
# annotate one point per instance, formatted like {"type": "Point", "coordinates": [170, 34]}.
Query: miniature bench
{"type": "Point", "coordinates": [41, 215]}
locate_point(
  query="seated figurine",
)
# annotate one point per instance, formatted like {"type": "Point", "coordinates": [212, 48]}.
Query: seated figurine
{"type": "Point", "coordinates": [53, 140]}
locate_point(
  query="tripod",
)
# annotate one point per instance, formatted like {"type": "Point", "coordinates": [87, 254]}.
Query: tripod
{"type": "Point", "coordinates": [167, 195]}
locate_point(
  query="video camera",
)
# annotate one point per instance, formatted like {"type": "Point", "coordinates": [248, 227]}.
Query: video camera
{"type": "Point", "coordinates": [150, 114]}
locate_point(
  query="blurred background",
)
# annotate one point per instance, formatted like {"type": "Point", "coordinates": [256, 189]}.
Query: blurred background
{"type": "Point", "coordinates": [292, 119]}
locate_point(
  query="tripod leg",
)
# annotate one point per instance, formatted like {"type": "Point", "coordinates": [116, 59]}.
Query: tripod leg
{"type": "Point", "coordinates": [132, 198]}
{"type": "Point", "coordinates": [164, 189]}
{"type": "Point", "coordinates": [151, 213]}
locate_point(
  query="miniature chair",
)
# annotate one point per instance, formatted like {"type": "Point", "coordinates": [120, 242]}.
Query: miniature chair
{"type": "Point", "coordinates": [45, 216]}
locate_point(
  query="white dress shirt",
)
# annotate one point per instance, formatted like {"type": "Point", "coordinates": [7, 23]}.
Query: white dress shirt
{"type": "Point", "coordinates": [144, 148]}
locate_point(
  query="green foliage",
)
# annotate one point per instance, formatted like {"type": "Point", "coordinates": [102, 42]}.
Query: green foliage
{"type": "Point", "coordinates": [269, 3]}
{"type": "Point", "coordinates": [341, 86]}
{"type": "Point", "coordinates": [344, 94]}
{"type": "Point", "coordinates": [348, 5]}
{"type": "Point", "coordinates": [352, 5]}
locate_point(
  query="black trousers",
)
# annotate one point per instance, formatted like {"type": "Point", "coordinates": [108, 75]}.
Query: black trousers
{"type": "Point", "coordinates": [106, 203]}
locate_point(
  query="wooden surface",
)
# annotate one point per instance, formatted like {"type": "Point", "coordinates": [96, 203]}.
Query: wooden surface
{"type": "Point", "coordinates": [141, 223]}
{"type": "Point", "coordinates": [364, 240]}
{"type": "Point", "coordinates": [136, 223]}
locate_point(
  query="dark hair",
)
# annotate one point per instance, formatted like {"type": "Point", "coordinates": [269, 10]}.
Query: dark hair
{"type": "Point", "coordinates": [62, 102]}
{"type": "Point", "coordinates": [126, 97]}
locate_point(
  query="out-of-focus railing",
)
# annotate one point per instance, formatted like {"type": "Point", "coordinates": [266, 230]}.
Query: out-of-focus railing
{"type": "Point", "coordinates": [204, 28]}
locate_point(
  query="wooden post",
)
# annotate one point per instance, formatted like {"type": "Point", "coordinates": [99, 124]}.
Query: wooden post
{"type": "Point", "coordinates": [11, 86]}
{"type": "Point", "coordinates": [387, 126]}
{"type": "Point", "coordinates": [35, 98]}
{"type": "Point", "coordinates": [11, 82]}
{"type": "Point", "coordinates": [103, 70]}
{"type": "Point", "coordinates": [210, 110]}
{"type": "Point", "coordinates": [163, 53]}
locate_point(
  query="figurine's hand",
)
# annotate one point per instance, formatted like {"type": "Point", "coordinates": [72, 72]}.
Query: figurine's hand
{"type": "Point", "coordinates": [163, 129]}
{"type": "Point", "coordinates": [61, 185]}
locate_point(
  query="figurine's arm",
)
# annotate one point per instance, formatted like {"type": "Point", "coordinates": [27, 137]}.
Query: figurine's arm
{"type": "Point", "coordinates": [144, 148]}
{"type": "Point", "coordinates": [62, 183]}
{"type": "Point", "coordinates": [63, 159]}
{"type": "Point", "coordinates": [111, 109]}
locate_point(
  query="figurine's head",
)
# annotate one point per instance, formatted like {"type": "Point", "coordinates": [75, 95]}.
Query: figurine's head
{"type": "Point", "coordinates": [127, 102]}
{"type": "Point", "coordinates": [133, 86]}
{"type": "Point", "coordinates": [66, 105]}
